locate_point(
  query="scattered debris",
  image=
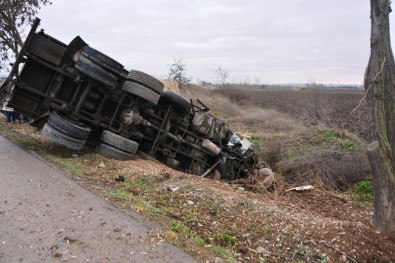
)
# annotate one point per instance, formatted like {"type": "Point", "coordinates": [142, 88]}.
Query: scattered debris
{"type": "Point", "coordinates": [59, 244]}
{"type": "Point", "coordinates": [165, 176]}
{"type": "Point", "coordinates": [210, 169]}
{"type": "Point", "coordinates": [266, 177]}
{"type": "Point", "coordinates": [301, 188]}
{"type": "Point", "coordinates": [57, 255]}
{"type": "Point", "coordinates": [69, 240]}
{"type": "Point", "coordinates": [323, 258]}
{"type": "Point", "coordinates": [102, 165]}
{"type": "Point", "coordinates": [139, 208]}
{"type": "Point", "coordinates": [120, 178]}
{"type": "Point", "coordinates": [260, 250]}
{"type": "Point", "coordinates": [173, 189]}
{"type": "Point", "coordinates": [262, 181]}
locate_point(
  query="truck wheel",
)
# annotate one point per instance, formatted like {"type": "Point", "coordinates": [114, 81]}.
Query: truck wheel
{"type": "Point", "coordinates": [61, 138]}
{"type": "Point", "coordinates": [178, 100]}
{"type": "Point", "coordinates": [119, 142]}
{"type": "Point", "coordinates": [68, 127]}
{"type": "Point", "coordinates": [96, 72]}
{"type": "Point", "coordinates": [98, 57]}
{"type": "Point", "coordinates": [113, 153]}
{"type": "Point", "coordinates": [146, 80]}
{"type": "Point", "coordinates": [141, 91]}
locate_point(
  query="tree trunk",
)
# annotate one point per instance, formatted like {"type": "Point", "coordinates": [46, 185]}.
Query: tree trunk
{"type": "Point", "coordinates": [380, 89]}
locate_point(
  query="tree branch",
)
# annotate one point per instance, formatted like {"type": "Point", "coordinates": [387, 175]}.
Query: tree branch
{"type": "Point", "coordinates": [367, 90]}
{"type": "Point", "coordinates": [15, 15]}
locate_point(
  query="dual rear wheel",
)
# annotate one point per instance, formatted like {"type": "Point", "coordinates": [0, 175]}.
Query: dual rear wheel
{"type": "Point", "coordinates": [73, 136]}
{"type": "Point", "coordinates": [65, 132]}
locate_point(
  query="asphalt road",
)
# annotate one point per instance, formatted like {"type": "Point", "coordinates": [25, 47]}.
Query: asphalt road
{"type": "Point", "coordinates": [47, 217]}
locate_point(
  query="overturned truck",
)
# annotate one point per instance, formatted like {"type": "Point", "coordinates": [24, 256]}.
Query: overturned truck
{"type": "Point", "coordinates": [78, 95]}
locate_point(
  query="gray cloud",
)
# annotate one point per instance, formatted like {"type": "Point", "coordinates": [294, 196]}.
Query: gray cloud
{"type": "Point", "coordinates": [273, 41]}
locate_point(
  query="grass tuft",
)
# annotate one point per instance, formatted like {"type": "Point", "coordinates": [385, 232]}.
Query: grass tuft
{"type": "Point", "coordinates": [363, 190]}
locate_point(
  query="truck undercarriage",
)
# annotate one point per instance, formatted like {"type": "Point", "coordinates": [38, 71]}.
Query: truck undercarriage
{"type": "Point", "coordinates": [79, 96]}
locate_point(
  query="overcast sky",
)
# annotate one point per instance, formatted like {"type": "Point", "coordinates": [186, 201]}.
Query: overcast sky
{"type": "Point", "coordinates": [266, 41]}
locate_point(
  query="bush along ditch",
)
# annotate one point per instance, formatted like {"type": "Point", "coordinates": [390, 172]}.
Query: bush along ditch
{"type": "Point", "coordinates": [331, 158]}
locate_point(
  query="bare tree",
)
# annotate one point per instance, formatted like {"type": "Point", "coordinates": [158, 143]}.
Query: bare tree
{"type": "Point", "coordinates": [222, 75]}
{"type": "Point", "coordinates": [178, 73]}
{"type": "Point", "coordinates": [14, 16]}
{"type": "Point", "coordinates": [257, 82]}
{"type": "Point", "coordinates": [380, 94]}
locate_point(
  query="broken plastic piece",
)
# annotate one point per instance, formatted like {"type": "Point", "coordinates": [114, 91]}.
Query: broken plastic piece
{"type": "Point", "coordinates": [301, 188]}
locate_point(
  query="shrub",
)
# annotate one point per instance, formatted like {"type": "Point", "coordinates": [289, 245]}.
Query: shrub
{"type": "Point", "coordinates": [330, 157]}
{"type": "Point", "coordinates": [363, 190]}
{"type": "Point", "coordinates": [225, 239]}
{"type": "Point", "coordinates": [347, 145]}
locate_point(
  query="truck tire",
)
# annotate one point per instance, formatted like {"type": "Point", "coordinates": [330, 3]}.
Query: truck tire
{"type": "Point", "coordinates": [78, 131]}
{"type": "Point", "coordinates": [98, 58]}
{"type": "Point", "coordinates": [96, 72]}
{"type": "Point", "coordinates": [178, 100]}
{"type": "Point", "coordinates": [119, 142]}
{"type": "Point", "coordinates": [61, 138]}
{"type": "Point", "coordinates": [146, 80]}
{"type": "Point", "coordinates": [141, 91]}
{"type": "Point", "coordinates": [113, 153]}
